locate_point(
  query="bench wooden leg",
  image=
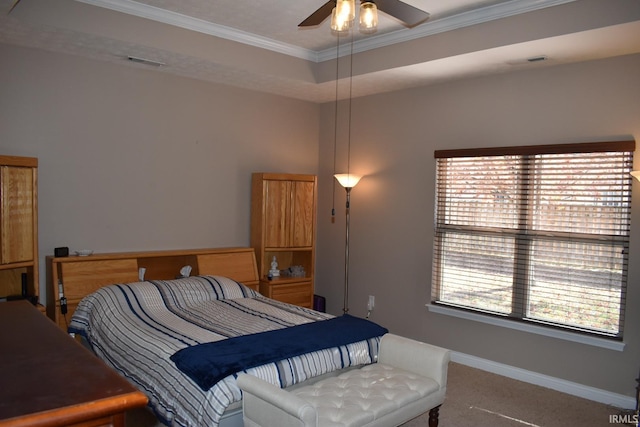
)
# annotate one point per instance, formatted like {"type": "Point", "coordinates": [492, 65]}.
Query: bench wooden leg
{"type": "Point", "coordinates": [433, 416]}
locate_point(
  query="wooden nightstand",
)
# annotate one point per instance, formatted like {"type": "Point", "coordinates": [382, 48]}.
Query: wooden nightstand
{"type": "Point", "coordinates": [49, 379]}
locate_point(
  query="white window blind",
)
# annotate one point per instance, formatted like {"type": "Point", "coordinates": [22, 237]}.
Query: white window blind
{"type": "Point", "coordinates": [536, 234]}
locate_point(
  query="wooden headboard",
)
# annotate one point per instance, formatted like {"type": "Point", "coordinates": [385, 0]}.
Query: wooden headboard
{"type": "Point", "coordinates": [79, 276]}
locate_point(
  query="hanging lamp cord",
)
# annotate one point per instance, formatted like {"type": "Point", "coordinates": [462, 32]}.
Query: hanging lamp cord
{"type": "Point", "coordinates": [350, 100]}
{"type": "Point", "coordinates": [335, 134]}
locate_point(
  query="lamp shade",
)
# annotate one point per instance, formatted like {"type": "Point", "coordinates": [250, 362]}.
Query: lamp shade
{"type": "Point", "coordinates": [343, 15]}
{"type": "Point", "coordinates": [347, 180]}
{"type": "Point", "coordinates": [368, 17]}
{"type": "Point", "coordinates": [635, 174]}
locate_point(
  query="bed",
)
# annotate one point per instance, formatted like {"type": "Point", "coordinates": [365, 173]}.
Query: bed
{"type": "Point", "coordinates": [142, 329]}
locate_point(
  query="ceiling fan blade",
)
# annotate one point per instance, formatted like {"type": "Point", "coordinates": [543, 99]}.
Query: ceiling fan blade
{"type": "Point", "coordinates": [319, 15]}
{"type": "Point", "coordinates": [411, 16]}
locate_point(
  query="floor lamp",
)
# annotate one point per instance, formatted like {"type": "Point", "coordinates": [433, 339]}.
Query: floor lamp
{"type": "Point", "coordinates": [348, 181]}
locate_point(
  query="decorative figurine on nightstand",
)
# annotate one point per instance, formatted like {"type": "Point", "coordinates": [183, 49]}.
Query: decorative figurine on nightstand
{"type": "Point", "coordinates": [274, 272]}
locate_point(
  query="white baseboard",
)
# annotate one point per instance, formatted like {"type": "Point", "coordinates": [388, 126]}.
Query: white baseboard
{"type": "Point", "coordinates": [575, 389]}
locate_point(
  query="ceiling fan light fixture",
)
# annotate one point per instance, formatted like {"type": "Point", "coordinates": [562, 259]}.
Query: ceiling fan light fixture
{"type": "Point", "coordinates": [338, 25]}
{"type": "Point", "coordinates": [346, 9]}
{"type": "Point", "coordinates": [343, 15]}
{"type": "Point", "coordinates": [368, 17]}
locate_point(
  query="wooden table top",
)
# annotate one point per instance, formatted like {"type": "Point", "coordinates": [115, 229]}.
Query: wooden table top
{"type": "Point", "coordinates": [50, 379]}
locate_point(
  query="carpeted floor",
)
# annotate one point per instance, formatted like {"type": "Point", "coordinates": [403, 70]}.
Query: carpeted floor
{"type": "Point", "coordinates": [477, 398]}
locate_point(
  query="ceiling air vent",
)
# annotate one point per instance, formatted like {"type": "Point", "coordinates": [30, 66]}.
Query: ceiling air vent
{"type": "Point", "coordinates": [145, 61]}
{"type": "Point", "coordinates": [537, 58]}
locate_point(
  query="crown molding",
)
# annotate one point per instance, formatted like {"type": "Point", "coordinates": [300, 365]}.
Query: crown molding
{"type": "Point", "coordinates": [485, 14]}
{"type": "Point", "coordinates": [194, 24]}
{"type": "Point", "coordinates": [429, 28]}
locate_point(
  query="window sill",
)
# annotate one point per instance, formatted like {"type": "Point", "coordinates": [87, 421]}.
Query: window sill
{"type": "Point", "coordinates": [534, 329]}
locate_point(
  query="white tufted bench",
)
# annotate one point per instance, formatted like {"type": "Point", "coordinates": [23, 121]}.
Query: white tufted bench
{"type": "Point", "coordinates": [409, 379]}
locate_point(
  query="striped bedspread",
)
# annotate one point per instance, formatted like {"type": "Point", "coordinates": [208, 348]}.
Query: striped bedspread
{"type": "Point", "coordinates": [136, 327]}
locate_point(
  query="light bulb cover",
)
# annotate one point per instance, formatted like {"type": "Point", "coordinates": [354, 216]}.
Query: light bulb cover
{"type": "Point", "coordinates": [343, 15]}
{"type": "Point", "coordinates": [368, 17]}
{"type": "Point", "coordinates": [346, 10]}
{"type": "Point", "coordinates": [347, 180]}
{"type": "Point", "coordinates": [339, 25]}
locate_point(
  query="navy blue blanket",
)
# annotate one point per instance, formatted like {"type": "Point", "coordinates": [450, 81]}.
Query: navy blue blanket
{"type": "Point", "coordinates": [208, 363]}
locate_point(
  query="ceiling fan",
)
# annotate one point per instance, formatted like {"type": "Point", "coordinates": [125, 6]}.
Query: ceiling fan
{"type": "Point", "coordinates": [409, 15]}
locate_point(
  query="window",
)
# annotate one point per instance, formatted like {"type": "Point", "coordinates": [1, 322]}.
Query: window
{"type": "Point", "coordinates": [536, 234]}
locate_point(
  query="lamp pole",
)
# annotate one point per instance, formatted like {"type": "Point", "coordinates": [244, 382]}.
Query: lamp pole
{"type": "Point", "coordinates": [345, 308]}
{"type": "Point", "coordinates": [348, 181]}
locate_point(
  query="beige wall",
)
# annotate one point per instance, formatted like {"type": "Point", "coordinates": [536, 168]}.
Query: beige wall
{"type": "Point", "coordinates": [392, 207]}
{"type": "Point", "coordinates": [131, 159]}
